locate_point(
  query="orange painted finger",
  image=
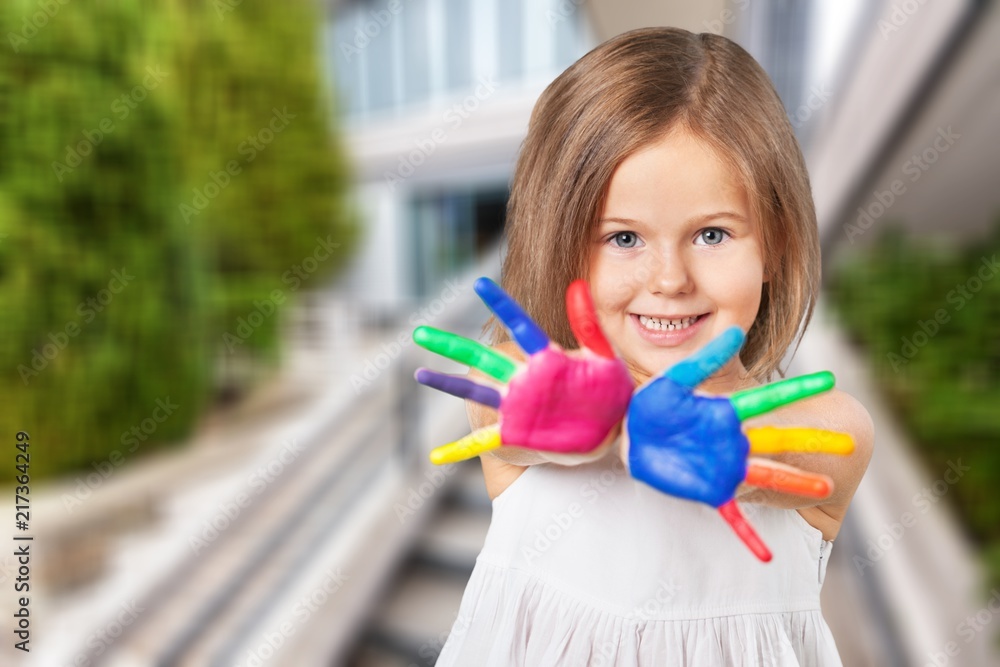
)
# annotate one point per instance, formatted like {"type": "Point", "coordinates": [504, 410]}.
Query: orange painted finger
{"type": "Point", "coordinates": [774, 440]}
{"type": "Point", "coordinates": [583, 320]}
{"type": "Point", "coordinates": [787, 480]}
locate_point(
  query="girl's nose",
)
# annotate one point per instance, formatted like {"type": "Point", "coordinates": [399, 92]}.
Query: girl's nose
{"type": "Point", "coordinates": [669, 275]}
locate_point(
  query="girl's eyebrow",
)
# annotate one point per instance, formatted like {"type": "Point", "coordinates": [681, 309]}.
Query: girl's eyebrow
{"type": "Point", "coordinates": [698, 219]}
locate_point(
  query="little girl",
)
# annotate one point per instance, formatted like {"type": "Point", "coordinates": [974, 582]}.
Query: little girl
{"type": "Point", "coordinates": [661, 169]}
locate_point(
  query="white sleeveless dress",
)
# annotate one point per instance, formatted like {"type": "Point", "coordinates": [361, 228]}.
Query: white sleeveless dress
{"type": "Point", "coordinates": [585, 566]}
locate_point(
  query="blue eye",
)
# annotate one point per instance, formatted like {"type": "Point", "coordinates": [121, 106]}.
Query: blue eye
{"type": "Point", "coordinates": [625, 239]}
{"type": "Point", "coordinates": [711, 236]}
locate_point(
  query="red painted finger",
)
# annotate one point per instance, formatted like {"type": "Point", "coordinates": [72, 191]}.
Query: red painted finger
{"type": "Point", "coordinates": [583, 320]}
{"type": "Point", "coordinates": [734, 517]}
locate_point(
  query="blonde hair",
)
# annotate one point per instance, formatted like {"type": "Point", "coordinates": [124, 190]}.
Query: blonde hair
{"type": "Point", "coordinates": [625, 94]}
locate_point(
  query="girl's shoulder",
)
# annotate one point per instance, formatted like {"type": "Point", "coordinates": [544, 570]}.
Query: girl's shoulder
{"type": "Point", "coordinates": [840, 411]}
{"type": "Point", "coordinates": [835, 410]}
{"type": "Point", "coordinates": [498, 474]}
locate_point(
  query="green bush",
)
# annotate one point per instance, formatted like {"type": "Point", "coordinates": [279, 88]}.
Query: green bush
{"type": "Point", "coordinates": [930, 323]}
{"type": "Point", "coordinates": [112, 113]}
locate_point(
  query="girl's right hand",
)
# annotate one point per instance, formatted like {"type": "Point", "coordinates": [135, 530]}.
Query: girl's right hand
{"type": "Point", "coordinates": [694, 447]}
{"type": "Point", "coordinates": [565, 403]}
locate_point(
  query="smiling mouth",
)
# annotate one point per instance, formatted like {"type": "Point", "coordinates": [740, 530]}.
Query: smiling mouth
{"type": "Point", "coordinates": [667, 324]}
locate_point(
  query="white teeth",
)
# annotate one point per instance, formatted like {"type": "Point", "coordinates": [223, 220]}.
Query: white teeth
{"type": "Point", "coordinates": [657, 324]}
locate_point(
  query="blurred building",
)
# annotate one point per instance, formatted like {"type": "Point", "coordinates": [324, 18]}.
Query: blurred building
{"type": "Point", "coordinates": [436, 99]}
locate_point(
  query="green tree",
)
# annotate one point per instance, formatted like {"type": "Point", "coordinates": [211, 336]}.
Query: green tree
{"type": "Point", "coordinates": [928, 315]}
{"type": "Point", "coordinates": [112, 114]}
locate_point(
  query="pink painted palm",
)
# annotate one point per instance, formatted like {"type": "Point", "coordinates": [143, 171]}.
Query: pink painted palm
{"type": "Point", "coordinates": [556, 401]}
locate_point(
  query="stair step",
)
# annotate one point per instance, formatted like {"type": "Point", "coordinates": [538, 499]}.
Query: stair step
{"type": "Point", "coordinates": [454, 539]}
{"type": "Point", "coordinates": [469, 487]}
{"type": "Point", "coordinates": [374, 656]}
{"type": "Point", "coordinates": [420, 608]}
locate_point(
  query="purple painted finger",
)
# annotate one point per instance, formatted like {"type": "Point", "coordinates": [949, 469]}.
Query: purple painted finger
{"type": "Point", "coordinates": [459, 386]}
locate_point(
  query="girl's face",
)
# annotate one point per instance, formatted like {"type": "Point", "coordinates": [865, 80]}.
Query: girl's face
{"type": "Point", "coordinates": [676, 258]}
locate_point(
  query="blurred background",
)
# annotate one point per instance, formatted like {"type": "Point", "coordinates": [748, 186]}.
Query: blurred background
{"type": "Point", "coordinates": [220, 221]}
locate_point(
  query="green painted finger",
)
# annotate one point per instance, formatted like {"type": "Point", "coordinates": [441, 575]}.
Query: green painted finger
{"type": "Point", "coordinates": [753, 402]}
{"type": "Point", "coordinates": [465, 351]}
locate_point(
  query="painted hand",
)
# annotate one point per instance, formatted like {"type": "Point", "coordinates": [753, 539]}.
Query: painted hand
{"type": "Point", "coordinates": [557, 401]}
{"type": "Point", "coordinates": [693, 446]}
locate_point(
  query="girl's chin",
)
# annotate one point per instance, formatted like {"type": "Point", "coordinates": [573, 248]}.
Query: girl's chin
{"type": "Point", "coordinates": [644, 369]}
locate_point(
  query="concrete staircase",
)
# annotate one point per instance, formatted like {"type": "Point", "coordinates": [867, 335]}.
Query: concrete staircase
{"type": "Point", "coordinates": [412, 620]}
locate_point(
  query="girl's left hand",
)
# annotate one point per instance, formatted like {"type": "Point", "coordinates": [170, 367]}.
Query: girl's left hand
{"type": "Point", "coordinates": [693, 446]}
{"type": "Point", "coordinates": [567, 403]}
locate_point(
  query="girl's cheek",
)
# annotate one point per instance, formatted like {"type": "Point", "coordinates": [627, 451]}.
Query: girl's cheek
{"type": "Point", "coordinates": [615, 294]}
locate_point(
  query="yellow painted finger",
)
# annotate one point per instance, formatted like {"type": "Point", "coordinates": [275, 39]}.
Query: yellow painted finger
{"type": "Point", "coordinates": [775, 440]}
{"type": "Point", "coordinates": [472, 445]}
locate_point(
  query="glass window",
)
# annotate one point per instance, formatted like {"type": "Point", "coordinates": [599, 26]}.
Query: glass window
{"type": "Point", "coordinates": [453, 228]}
{"type": "Point", "coordinates": [567, 26]}
{"type": "Point", "coordinates": [345, 61]}
{"type": "Point", "coordinates": [380, 67]}
{"type": "Point", "coordinates": [458, 44]}
{"type": "Point", "coordinates": [416, 51]}
{"type": "Point", "coordinates": [510, 43]}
